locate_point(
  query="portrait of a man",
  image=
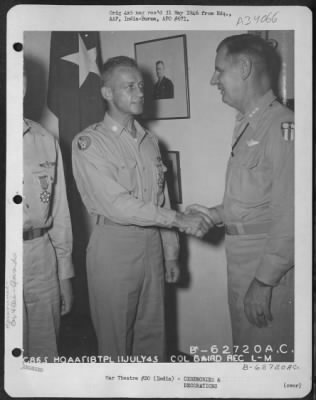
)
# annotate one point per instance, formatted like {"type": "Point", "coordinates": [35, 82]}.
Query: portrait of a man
{"type": "Point", "coordinates": [163, 88]}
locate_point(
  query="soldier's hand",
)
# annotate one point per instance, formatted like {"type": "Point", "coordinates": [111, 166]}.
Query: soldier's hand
{"type": "Point", "coordinates": [194, 223]}
{"type": "Point", "coordinates": [172, 271]}
{"type": "Point", "coordinates": [209, 212]}
{"type": "Point", "coordinates": [66, 296]}
{"type": "Point", "coordinates": [257, 304]}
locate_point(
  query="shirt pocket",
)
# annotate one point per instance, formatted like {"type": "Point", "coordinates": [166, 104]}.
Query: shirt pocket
{"type": "Point", "coordinates": [250, 156]}
{"type": "Point", "coordinates": [248, 179]}
{"type": "Point", "coordinates": [127, 175]}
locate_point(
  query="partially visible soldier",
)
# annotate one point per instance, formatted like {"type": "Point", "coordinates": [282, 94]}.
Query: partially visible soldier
{"type": "Point", "coordinates": [47, 242]}
{"type": "Point", "coordinates": [258, 205]}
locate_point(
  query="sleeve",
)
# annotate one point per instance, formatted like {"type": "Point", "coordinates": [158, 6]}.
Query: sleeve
{"type": "Point", "coordinates": [278, 255]}
{"type": "Point", "coordinates": [102, 194]}
{"type": "Point", "coordinates": [61, 233]}
{"type": "Point", "coordinates": [219, 217]}
{"type": "Point", "coordinates": [170, 238]}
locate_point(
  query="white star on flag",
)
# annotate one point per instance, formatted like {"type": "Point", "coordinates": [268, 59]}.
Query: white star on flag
{"type": "Point", "coordinates": [85, 59]}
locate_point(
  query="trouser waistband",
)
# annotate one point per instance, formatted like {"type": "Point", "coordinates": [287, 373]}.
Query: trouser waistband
{"type": "Point", "coordinates": [102, 220]}
{"type": "Point", "coordinates": [34, 233]}
{"type": "Point", "coordinates": [247, 229]}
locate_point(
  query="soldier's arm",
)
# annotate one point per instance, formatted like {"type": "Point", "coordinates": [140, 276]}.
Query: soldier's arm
{"type": "Point", "coordinates": [216, 214]}
{"type": "Point", "coordinates": [60, 232]}
{"type": "Point", "coordinates": [278, 255]}
{"type": "Point", "coordinates": [102, 194]}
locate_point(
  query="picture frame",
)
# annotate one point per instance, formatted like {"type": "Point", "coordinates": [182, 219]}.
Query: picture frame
{"type": "Point", "coordinates": [173, 176]}
{"type": "Point", "coordinates": [164, 65]}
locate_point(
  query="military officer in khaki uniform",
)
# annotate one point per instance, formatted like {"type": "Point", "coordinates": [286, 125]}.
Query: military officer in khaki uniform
{"type": "Point", "coordinates": [163, 88]}
{"type": "Point", "coordinates": [47, 243]}
{"type": "Point", "coordinates": [258, 204]}
{"type": "Point", "coordinates": [120, 176]}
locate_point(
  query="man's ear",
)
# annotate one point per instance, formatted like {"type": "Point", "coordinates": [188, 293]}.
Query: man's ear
{"type": "Point", "coordinates": [106, 93]}
{"type": "Point", "coordinates": [245, 66]}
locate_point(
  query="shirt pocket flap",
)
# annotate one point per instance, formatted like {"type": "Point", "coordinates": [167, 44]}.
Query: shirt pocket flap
{"type": "Point", "coordinates": [250, 156]}
{"type": "Point", "coordinates": [44, 177]}
{"type": "Point", "coordinates": [128, 164]}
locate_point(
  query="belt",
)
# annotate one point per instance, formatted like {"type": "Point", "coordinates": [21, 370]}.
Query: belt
{"type": "Point", "coordinates": [34, 233]}
{"type": "Point", "coordinates": [102, 220]}
{"type": "Point", "coordinates": [247, 229]}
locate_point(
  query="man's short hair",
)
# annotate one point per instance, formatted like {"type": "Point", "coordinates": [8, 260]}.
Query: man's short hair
{"type": "Point", "coordinates": [115, 62]}
{"type": "Point", "coordinates": [258, 49]}
{"type": "Point", "coordinates": [160, 62]}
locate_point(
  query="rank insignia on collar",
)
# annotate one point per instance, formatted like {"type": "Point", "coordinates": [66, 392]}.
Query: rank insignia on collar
{"type": "Point", "coordinates": [83, 142]}
{"type": "Point", "coordinates": [287, 129]}
{"type": "Point", "coordinates": [47, 164]}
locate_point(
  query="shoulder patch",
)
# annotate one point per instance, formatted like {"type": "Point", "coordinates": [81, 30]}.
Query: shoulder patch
{"type": "Point", "coordinates": [287, 130]}
{"type": "Point", "coordinates": [83, 142]}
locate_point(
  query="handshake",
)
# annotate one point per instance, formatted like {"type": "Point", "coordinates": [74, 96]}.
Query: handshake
{"type": "Point", "coordinates": [197, 220]}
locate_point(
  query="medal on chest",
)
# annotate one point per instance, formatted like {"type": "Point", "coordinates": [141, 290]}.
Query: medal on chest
{"type": "Point", "coordinates": [44, 195]}
{"type": "Point", "coordinates": [161, 176]}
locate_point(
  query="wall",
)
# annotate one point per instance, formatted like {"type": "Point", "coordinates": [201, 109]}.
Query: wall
{"type": "Point", "coordinates": [204, 144]}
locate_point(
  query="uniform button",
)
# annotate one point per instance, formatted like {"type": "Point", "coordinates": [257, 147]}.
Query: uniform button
{"type": "Point", "coordinates": [145, 190]}
{"type": "Point", "coordinates": [144, 168]}
{"type": "Point", "coordinates": [27, 206]}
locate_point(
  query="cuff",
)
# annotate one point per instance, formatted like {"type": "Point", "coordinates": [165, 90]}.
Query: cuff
{"type": "Point", "coordinates": [166, 217]}
{"type": "Point", "coordinates": [272, 268]}
{"type": "Point", "coordinates": [65, 269]}
{"type": "Point", "coordinates": [219, 214]}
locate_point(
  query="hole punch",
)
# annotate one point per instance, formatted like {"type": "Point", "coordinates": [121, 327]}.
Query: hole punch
{"type": "Point", "coordinates": [18, 46]}
{"type": "Point", "coordinates": [16, 352]}
{"type": "Point", "coordinates": [17, 199]}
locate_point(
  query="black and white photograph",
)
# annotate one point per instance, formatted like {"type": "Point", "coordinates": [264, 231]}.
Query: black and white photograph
{"type": "Point", "coordinates": [164, 66]}
{"type": "Point", "coordinates": [162, 212]}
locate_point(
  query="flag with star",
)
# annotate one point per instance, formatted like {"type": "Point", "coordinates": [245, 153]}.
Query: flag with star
{"type": "Point", "coordinates": [74, 97]}
{"type": "Point", "coordinates": [74, 85]}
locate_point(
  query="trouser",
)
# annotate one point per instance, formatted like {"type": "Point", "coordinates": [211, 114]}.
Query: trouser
{"type": "Point", "coordinates": [126, 291]}
{"type": "Point", "coordinates": [244, 254]}
{"type": "Point", "coordinates": [41, 299]}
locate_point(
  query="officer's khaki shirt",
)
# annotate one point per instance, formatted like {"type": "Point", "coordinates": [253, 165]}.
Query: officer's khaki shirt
{"type": "Point", "coordinates": [45, 202]}
{"type": "Point", "coordinates": [122, 178]}
{"type": "Point", "coordinates": [260, 182]}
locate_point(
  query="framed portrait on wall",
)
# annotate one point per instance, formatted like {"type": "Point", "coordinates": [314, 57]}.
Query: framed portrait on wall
{"type": "Point", "coordinates": [164, 66]}
{"type": "Point", "coordinates": [173, 176]}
